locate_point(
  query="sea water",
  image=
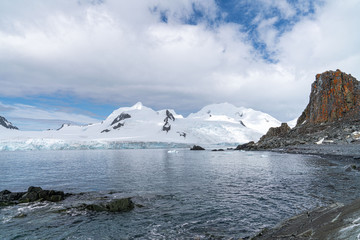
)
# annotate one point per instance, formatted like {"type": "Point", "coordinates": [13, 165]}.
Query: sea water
{"type": "Point", "coordinates": [180, 194]}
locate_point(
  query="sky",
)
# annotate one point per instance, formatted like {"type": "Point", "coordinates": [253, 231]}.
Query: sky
{"type": "Point", "coordinates": [76, 61]}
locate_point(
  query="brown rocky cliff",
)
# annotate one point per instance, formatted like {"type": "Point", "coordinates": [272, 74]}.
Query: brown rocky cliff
{"type": "Point", "coordinates": [334, 96]}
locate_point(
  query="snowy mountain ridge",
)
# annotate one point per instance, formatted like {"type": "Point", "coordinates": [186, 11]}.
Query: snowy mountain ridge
{"type": "Point", "coordinates": [6, 124]}
{"type": "Point", "coordinates": [140, 126]}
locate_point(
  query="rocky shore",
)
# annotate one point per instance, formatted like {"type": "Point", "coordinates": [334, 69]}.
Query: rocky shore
{"type": "Point", "coordinates": [331, 117]}
{"type": "Point", "coordinates": [37, 194]}
{"type": "Point", "coordinates": [332, 222]}
{"type": "Point", "coordinates": [330, 127]}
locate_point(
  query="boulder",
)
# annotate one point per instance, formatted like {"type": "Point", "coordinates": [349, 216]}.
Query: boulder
{"type": "Point", "coordinates": [197, 148]}
{"type": "Point", "coordinates": [116, 205]}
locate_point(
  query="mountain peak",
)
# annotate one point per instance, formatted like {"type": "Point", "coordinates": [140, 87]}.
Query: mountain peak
{"type": "Point", "coordinates": [138, 106]}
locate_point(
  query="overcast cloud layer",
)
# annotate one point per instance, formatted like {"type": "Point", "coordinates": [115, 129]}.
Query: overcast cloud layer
{"type": "Point", "coordinates": [176, 54]}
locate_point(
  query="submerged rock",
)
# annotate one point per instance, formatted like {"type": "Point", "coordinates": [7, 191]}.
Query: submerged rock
{"type": "Point", "coordinates": [116, 205]}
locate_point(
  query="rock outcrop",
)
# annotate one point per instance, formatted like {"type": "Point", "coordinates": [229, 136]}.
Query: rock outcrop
{"type": "Point", "coordinates": [332, 116]}
{"type": "Point", "coordinates": [281, 131]}
{"type": "Point", "coordinates": [197, 148]}
{"type": "Point", "coordinates": [33, 194]}
{"type": "Point", "coordinates": [335, 96]}
{"type": "Point", "coordinates": [332, 222]}
{"type": "Point", "coordinates": [6, 124]}
{"type": "Point", "coordinates": [91, 203]}
{"type": "Point", "coordinates": [167, 125]}
{"type": "Point", "coordinates": [116, 205]}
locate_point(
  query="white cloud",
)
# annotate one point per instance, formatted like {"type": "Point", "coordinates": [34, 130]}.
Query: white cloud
{"type": "Point", "coordinates": [28, 117]}
{"type": "Point", "coordinates": [120, 52]}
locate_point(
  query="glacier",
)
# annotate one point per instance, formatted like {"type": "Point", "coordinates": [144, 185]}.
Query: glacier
{"type": "Point", "coordinates": [142, 127]}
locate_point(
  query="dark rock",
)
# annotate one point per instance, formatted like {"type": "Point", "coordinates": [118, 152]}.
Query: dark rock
{"type": "Point", "coordinates": [242, 123]}
{"type": "Point", "coordinates": [105, 130]}
{"type": "Point", "coordinates": [63, 125]}
{"type": "Point", "coordinates": [169, 115]}
{"type": "Point", "coordinates": [217, 150]}
{"type": "Point", "coordinates": [182, 134]}
{"type": "Point", "coordinates": [166, 127]}
{"type": "Point", "coordinates": [4, 192]}
{"type": "Point", "coordinates": [320, 223]}
{"type": "Point", "coordinates": [116, 205]}
{"type": "Point", "coordinates": [120, 205]}
{"type": "Point", "coordinates": [33, 194]}
{"type": "Point", "coordinates": [247, 146]}
{"type": "Point", "coordinates": [6, 124]}
{"type": "Point", "coordinates": [119, 125]}
{"type": "Point", "coordinates": [197, 148]}
{"type": "Point", "coordinates": [281, 131]}
{"type": "Point", "coordinates": [121, 117]}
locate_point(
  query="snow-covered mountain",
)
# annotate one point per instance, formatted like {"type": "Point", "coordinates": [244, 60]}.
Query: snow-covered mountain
{"type": "Point", "coordinates": [6, 124]}
{"type": "Point", "coordinates": [140, 126]}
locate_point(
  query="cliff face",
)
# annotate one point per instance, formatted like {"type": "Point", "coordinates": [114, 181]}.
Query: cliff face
{"type": "Point", "coordinates": [332, 116]}
{"type": "Point", "coordinates": [335, 96]}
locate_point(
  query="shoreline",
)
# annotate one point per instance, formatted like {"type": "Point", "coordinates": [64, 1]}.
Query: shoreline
{"type": "Point", "coordinates": [334, 221]}
{"type": "Point", "coordinates": [338, 151]}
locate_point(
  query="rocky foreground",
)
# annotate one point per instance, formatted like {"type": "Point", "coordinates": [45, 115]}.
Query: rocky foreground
{"type": "Point", "coordinates": [37, 194]}
{"type": "Point", "coordinates": [333, 222]}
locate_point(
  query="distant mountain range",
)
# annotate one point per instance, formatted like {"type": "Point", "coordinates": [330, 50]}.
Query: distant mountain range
{"type": "Point", "coordinates": [140, 126]}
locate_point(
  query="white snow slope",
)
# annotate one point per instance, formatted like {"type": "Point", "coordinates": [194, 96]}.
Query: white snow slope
{"type": "Point", "coordinates": [141, 127]}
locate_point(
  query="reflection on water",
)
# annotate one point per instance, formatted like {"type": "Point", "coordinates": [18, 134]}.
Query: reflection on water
{"type": "Point", "coordinates": [184, 193]}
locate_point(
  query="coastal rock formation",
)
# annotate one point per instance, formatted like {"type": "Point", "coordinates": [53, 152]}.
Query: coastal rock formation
{"type": "Point", "coordinates": [332, 116]}
{"type": "Point", "coordinates": [6, 124]}
{"type": "Point", "coordinates": [332, 222]}
{"type": "Point", "coordinates": [281, 131]}
{"type": "Point", "coordinates": [83, 201]}
{"type": "Point", "coordinates": [334, 96]}
{"type": "Point", "coordinates": [33, 194]}
{"type": "Point", "coordinates": [116, 205]}
{"type": "Point", "coordinates": [197, 148]}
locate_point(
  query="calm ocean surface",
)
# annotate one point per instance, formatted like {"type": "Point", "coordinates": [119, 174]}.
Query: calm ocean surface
{"type": "Point", "coordinates": [185, 194]}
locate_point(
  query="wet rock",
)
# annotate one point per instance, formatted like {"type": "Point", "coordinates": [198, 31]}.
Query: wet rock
{"type": "Point", "coordinates": [329, 222]}
{"type": "Point", "coordinates": [197, 148]}
{"type": "Point", "coordinates": [116, 205]}
{"type": "Point", "coordinates": [33, 194]}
